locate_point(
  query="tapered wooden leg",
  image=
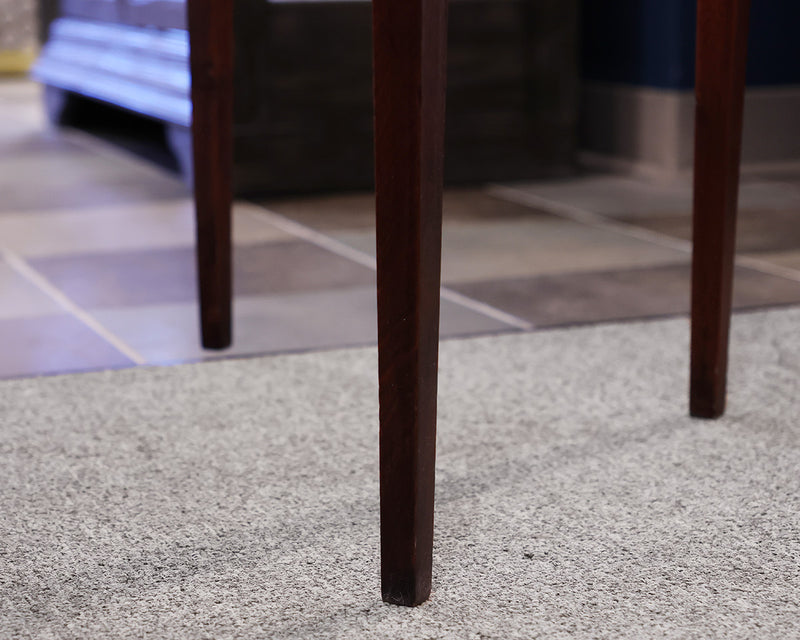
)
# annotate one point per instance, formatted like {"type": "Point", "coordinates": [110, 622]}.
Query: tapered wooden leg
{"type": "Point", "coordinates": [211, 43]}
{"type": "Point", "coordinates": [409, 55]}
{"type": "Point", "coordinates": [722, 27]}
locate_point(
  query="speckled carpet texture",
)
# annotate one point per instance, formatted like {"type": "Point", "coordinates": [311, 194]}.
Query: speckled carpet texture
{"type": "Point", "coordinates": [575, 498]}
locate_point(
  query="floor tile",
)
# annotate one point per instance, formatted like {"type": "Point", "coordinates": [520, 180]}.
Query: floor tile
{"type": "Point", "coordinates": [630, 198]}
{"type": "Point", "coordinates": [116, 235]}
{"type": "Point", "coordinates": [21, 104]}
{"type": "Point", "coordinates": [351, 211]}
{"type": "Point", "coordinates": [123, 227]}
{"type": "Point", "coordinates": [22, 90]}
{"type": "Point", "coordinates": [292, 322]}
{"type": "Point", "coordinates": [75, 177]}
{"type": "Point", "coordinates": [163, 276]}
{"type": "Point", "coordinates": [612, 195]}
{"type": "Point", "coordinates": [756, 229]}
{"type": "Point", "coordinates": [356, 211]}
{"type": "Point", "coordinates": [768, 194]}
{"type": "Point", "coordinates": [786, 259]}
{"type": "Point", "coordinates": [38, 141]}
{"type": "Point", "coordinates": [531, 246]}
{"type": "Point", "coordinates": [53, 344]}
{"type": "Point", "coordinates": [19, 298]}
{"type": "Point", "coordinates": [488, 238]}
{"type": "Point", "coordinates": [619, 295]}
{"type": "Point", "coordinates": [286, 267]}
{"type": "Point", "coordinates": [780, 179]}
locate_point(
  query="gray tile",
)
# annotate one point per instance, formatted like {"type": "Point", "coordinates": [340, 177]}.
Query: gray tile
{"type": "Point", "coordinates": [137, 278]}
{"type": "Point", "coordinates": [31, 144]}
{"type": "Point", "coordinates": [52, 172]}
{"type": "Point", "coordinates": [619, 295]}
{"type": "Point", "coordinates": [280, 323]}
{"type": "Point", "coordinates": [131, 226]}
{"type": "Point", "coordinates": [53, 344]}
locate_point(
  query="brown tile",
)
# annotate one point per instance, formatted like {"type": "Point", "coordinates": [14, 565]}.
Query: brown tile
{"type": "Point", "coordinates": [757, 229]}
{"type": "Point", "coordinates": [53, 344]}
{"type": "Point", "coordinates": [478, 205]}
{"type": "Point", "coordinates": [618, 295]}
{"type": "Point", "coordinates": [133, 278]}
{"type": "Point", "coordinates": [356, 211]}
{"type": "Point", "coordinates": [785, 259]}
{"type": "Point", "coordinates": [350, 211]}
{"type": "Point", "coordinates": [623, 197]}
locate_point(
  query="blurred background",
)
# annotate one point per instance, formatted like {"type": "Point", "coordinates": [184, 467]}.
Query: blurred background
{"type": "Point", "coordinates": [568, 171]}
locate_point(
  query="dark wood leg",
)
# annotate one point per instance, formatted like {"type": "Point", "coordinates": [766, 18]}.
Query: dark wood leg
{"type": "Point", "coordinates": [410, 49]}
{"type": "Point", "coordinates": [211, 39]}
{"type": "Point", "coordinates": [722, 27]}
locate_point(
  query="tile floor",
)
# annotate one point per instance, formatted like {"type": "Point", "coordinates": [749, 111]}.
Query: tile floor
{"type": "Point", "coordinates": [97, 261]}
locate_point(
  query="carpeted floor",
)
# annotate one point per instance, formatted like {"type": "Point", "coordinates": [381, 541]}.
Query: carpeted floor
{"type": "Point", "coordinates": [575, 499]}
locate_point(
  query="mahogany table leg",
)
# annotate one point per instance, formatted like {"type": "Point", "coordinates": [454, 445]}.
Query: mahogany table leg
{"type": "Point", "coordinates": [409, 65]}
{"type": "Point", "coordinates": [722, 27]}
{"type": "Point", "coordinates": [211, 43]}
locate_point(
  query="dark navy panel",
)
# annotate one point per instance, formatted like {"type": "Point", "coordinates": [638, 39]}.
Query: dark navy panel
{"type": "Point", "coordinates": [651, 42]}
{"type": "Point", "coordinates": [774, 49]}
{"type": "Point", "coordinates": [643, 42]}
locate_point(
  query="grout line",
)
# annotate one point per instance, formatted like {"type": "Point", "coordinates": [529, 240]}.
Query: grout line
{"type": "Point", "coordinates": [577, 214]}
{"type": "Point", "coordinates": [756, 264]}
{"type": "Point", "coordinates": [781, 183]}
{"type": "Point", "coordinates": [19, 265]}
{"type": "Point", "coordinates": [584, 216]}
{"type": "Point", "coordinates": [485, 309]}
{"type": "Point", "coordinates": [364, 259]}
{"type": "Point", "coordinates": [315, 237]}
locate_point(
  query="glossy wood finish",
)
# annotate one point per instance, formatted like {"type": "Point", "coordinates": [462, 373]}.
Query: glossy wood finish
{"type": "Point", "coordinates": [211, 42]}
{"type": "Point", "coordinates": [409, 74]}
{"type": "Point", "coordinates": [722, 27]}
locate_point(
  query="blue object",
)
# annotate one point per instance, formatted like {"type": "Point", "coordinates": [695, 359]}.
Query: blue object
{"type": "Point", "coordinates": [651, 42]}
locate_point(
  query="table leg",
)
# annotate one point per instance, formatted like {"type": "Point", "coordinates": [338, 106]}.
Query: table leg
{"type": "Point", "coordinates": [211, 42]}
{"type": "Point", "coordinates": [722, 27]}
{"type": "Point", "coordinates": [409, 65]}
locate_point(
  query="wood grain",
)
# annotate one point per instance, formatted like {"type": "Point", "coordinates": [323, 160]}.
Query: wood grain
{"type": "Point", "coordinates": [409, 84]}
{"type": "Point", "coordinates": [722, 29]}
{"type": "Point", "coordinates": [211, 54]}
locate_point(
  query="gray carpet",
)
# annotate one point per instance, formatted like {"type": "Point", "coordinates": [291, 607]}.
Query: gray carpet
{"type": "Point", "coordinates": [238, 499]}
